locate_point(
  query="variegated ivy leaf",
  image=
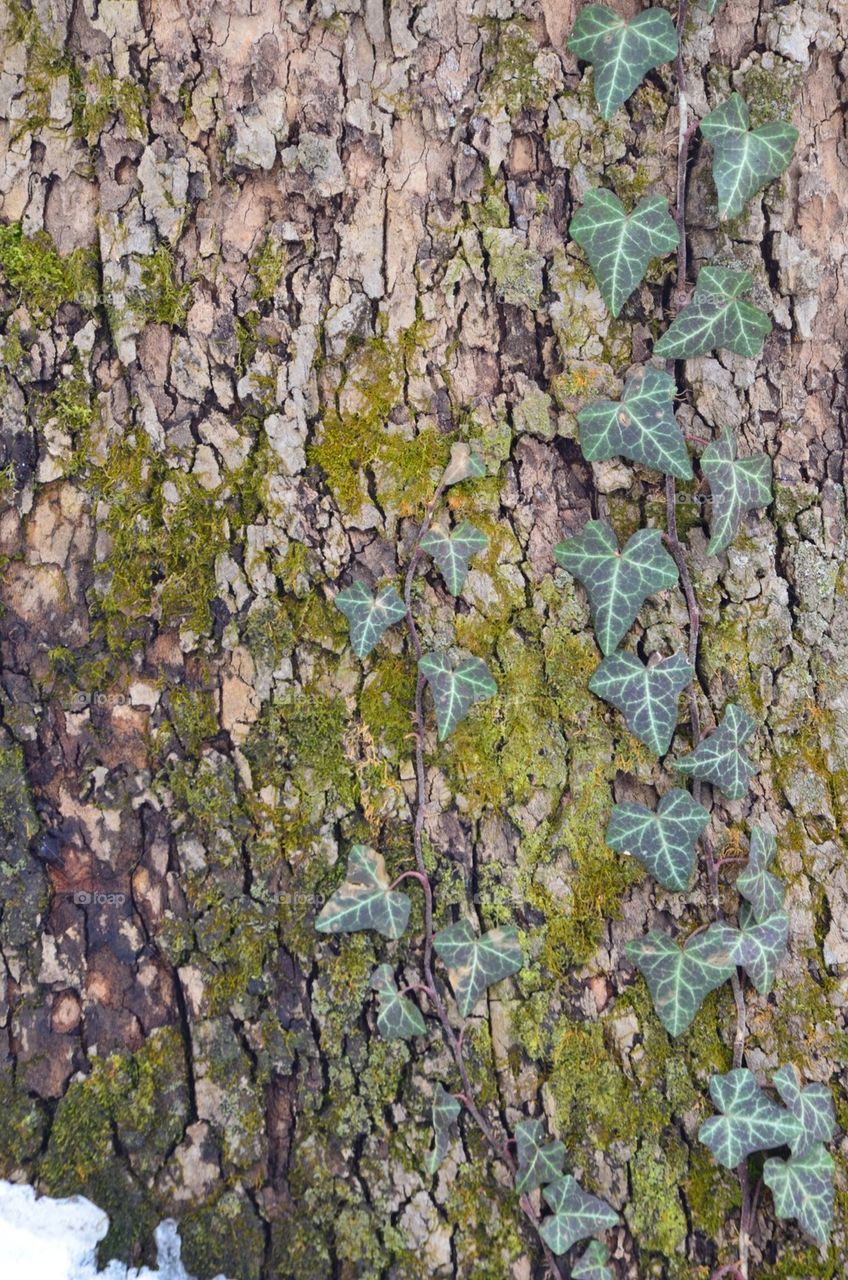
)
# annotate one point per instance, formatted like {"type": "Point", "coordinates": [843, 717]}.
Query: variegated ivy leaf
{"type": "Point", "coordinates": [712, 6]}
{"type": "Point", "coordinates": [641, 426]}
{"type": "Point", "coordinates": [812, 1106]}
{"type": "Point", "coordinates": [592, 1263]}
{"type": "Point", "coordinates": [716, 317]}
{"type": "Point", "coordinates": [750, 1120]}
{"type": "Point", "coordinates": [802, 1188]}
{"type": "Point", "coordinates": [622, 52]}
{"type": "Point", "coordinates": [444, 1112]}
{"type": "Point", "coordinates": [761, 947]}
{"type": "Point", "coordinates": [619, 247]}
{"type": "Point", "coordinates": [647, 697]}
{"type": "Point", "coordinates": [365, 900]}
{"type": "Point", "coordinates": [745, 160]}
{"type": "Point", "coordinates": [452, 552]}
{"type": "Point", "coordinates": [664, 842]}
{"type": "Point", "coordinates": [399, 1018]}
{"type": "Point", "coordinates": [680, 979]}
{"type": "Point", "coordinates": [576, 1215]}
{"type": "Point", "coordinates": [617, 582]}
{"type": "Point", "coordinates": [455, 689]}
{"type": "Point", "coordinates": [465, 464]}
{"type": "Point", "coordinates": [756, 883]}
{"type": "Point", "coordinates": [737, 485]}
{"type": "Point", "coordinates": [474, 963]}
{"type": "Point", "coordinates": [368, 616]}
{"type": "Point", "coordinates": [538, 1161]}
{"type": "Point", "coordinates": [718, 758]}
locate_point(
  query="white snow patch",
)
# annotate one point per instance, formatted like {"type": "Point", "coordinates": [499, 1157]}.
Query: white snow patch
{"type": "Point", "coordinates": [44, 1239]}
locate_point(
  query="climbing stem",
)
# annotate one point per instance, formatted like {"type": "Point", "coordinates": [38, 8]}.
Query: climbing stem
{"type": "Point", "coordinates": [428, 988]}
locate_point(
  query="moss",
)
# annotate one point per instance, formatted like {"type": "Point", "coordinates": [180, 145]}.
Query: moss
{"type": "Point", "coordinates": [45, 62]}
{"type": "Point", "coordinates": [113, 1131]}
{"type": "Point", "coordinates": [514, 79]}
{"type": "Point", "coordinates": [99, 98]}
{"type": "Point", "coordinates": [223, 1237]}
{"type": "Point", "coordinates": [712, 1193]}
{"type": "Point", "coordinates": [385, 703]}
{"type": "Point", "coordinates": [22, 1125]}
{"type": "Point", "coordinates": [300, 737]}
{"type": "Point", "coordinates": [356, 442]}
{"type": "Point", "coordinates": [770, 88]}
{"type": "Point", "coordinates": [18, 819]}
{"type": "Point", "coordinates": [163, 299]}
{"type": "Point", "coordinates": [266, 269]}
{"type": "Point", "coordinates": [655, 1213]}
{"type": "Point", "coordinates": [36, 275]}
{"type": "Point", "coordinates": [515, 271]}
{"type": "Point", "coordinates": [193, 716]}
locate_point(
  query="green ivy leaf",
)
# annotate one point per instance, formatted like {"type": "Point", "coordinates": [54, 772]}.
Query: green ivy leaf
{"type": "Point", "coordinates": [538, 1161]}
{"type": "Point", "coordinates": [718, 758]}
{"type": "Point", "coordinates": [812, 1107]}
{"type": "Point", "coordinates": [712, 6]}
{"type": "Point", "coordinates": [399, 1018]}
{"type": "Point", "coordinates": [465, 464]}
{"type": "Point", "coordinates": [762, 947]}
{"type": "Point", "coordinates": [576, 1215]}
{"type": "Point", "coordinates": [737, 485]}
{"type": "Point", "coordinates": [756, 883]}
{"type": "Point", "coordinates": [750, 1120]}
{"type": "Point", "coordinates": [745, 160]}
{"type": "Point", "coordinates": [647, 697]}
{"type": "Point", "coordinates": [622, 52]}
{"type": "Point", "coordinates": [444, 1112]}
{"type": "Point", "coordinates": [455, 689]}
{"type": "Point", "coordinates": [641, 426]}
{"type": "Point", "coordinates": [592, 1263]}
{"type": "Point", "coordinates": [679, 980]}
{"type": "Point", "coordinates": [368, 616]}
{"type": "Point", "coordinates": [716, 317]}
{"type": "Point", "coordinates": [364, 900]}
{"type": "Point", "coordinates": [452, 552]}
{"type": "Point", "coordinates": [616, 582]}
{"type": "Point", "coordinates": [474, 963]}
{"type": "Point", "coordinates": [619, 247]}
{"type": "Point", "coordinates": [664, 842]}
{"type": "Point", "coordinates": [802, 1188]}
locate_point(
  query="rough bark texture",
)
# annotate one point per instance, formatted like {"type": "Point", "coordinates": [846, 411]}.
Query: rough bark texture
{"type": "Point", "coordinates": [263, 262]}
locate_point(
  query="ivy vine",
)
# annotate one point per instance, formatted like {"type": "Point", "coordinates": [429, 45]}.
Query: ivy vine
{"type": "Point", "coordinates": [458, 964]}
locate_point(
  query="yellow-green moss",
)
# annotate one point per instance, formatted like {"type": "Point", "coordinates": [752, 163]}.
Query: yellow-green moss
{"type": "Point", "coordinates": [163, 299]}
{"type": "Point", "coordinates": [33, 272]}
{"type": "Point", "coordinates": [514, 79]}
{"type": "Point", "coordinates": [386, 702]}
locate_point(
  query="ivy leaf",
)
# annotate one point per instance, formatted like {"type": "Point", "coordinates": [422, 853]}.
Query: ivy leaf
{"type": "Point", "coordinates": [576, 1215]}
{"type": "Point", "coordinates": [538, 1162]}
{"type": "Point", "coordinates": [647, 697]}
{"type": "Point", "coordinates": [365, 900]}
{"type": "Point", "coordinates": [812, 1106]}
{"type": "Point", "coordinates": [679, 980]}
{"type": "Point", "coordinates": [745, 160]}
{"type": "Point", "coordinates": [619, 247]}
{"type": "Point", "coordinates": [802, 1188]}
{"type": "Point", "coordinates": [641, 426]}
{"type": "Point", "coordinates": [465, 464]}
{"type": "Point", "coordinates": [718, 758]}
{"type": "Point", "coordinates": [756, 883]}
{"type": "Point", "coordinates": [617, 582]}
{"type": "Point", "coordinates": [399, 1018]}
{"type": "Point", "coordinates": [592, 1263]}
{"type": "Point", "coordinates": [368, 616]}
{"type": "Point", "coordinates": [716, 317]}
{"type": "Point", "coordinates": [762, 947]}
{"type": "Point", "coordinates": [622, 52]}
{"type": "Point", "coordinates": [737, 485]}
{"type": "Point", "coordinates": [452, 552]}
{"type": "Point", "coordinates": [474, 963]}
{"type": "Point", "coordinates": [664, 842]}
{"type": "Point", "coordinates": [444, 1112]}
{"type": "Point", "coordinates": [750, 1120]}
{"type": "Point", "coordinates": [455, 689]}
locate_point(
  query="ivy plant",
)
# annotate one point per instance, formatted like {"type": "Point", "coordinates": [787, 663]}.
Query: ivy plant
{"type": "Point", "coordinates": [461, 961]}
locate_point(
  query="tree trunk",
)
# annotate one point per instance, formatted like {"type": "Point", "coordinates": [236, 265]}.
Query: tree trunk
{"type": "Point", "coordinates": [259, 271]}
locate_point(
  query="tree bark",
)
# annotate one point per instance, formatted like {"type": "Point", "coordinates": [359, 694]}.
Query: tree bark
{"type": "Point", "coordinates": [261, 264]}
